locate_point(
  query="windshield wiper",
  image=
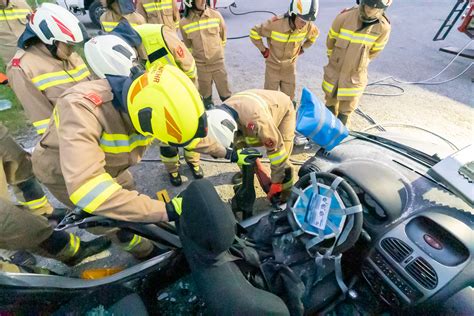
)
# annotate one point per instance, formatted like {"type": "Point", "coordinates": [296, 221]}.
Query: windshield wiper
{"type": "Point", "coordinates": [427, 160]}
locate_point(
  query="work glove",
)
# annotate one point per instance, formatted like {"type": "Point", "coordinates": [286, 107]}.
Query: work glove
{"type": "Point", "coordinates": [174, 208]}
{"type": "Point", "coordinates": [274, 193]}
{"type": "Point", "coordinates": [265, 53]}
{"type": "Point", "coordinates": [243, 157]}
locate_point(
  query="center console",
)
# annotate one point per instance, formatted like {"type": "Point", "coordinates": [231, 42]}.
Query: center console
{"type": "Point", "coordinates": [420, 256]}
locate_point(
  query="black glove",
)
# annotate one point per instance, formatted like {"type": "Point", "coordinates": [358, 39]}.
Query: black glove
{"type": "Point", "coordinates": [245, 156]}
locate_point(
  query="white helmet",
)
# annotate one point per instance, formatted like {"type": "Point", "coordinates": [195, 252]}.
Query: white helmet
{"type": "Point", "coordinates": [109, 55]}
{"type": "Point", "coordinates": [221, 126]}
{"type": "Point", "coordinates": [50, 23]}
{"type": "Point", "coordinates": [305, 9]}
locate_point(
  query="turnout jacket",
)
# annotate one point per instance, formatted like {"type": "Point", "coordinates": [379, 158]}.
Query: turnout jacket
{"type": "Point", "coordinates": [160, 12]}
{"type": "Point", "coordinates": [38, 79]}
{"type": "Point", "coordinates": [205, 35]}
{"type": "Point", "coordinates": [265, 118]}
{"type": "Point", "coordinates": [12, 24]}
{"type": "Point", "coordinates": [111, 17]}
{"type": "Point", "coordinates": [284, 43]}
{"type": "Point", "coordinates": [95, 144]}
{"type": "Point", "coordinates": [350, 48]}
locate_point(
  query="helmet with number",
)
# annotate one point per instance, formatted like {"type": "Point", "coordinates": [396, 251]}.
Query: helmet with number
{"type": "Point", "coordinates": [165, 104]}
{"type": "Point", "coordinates": [222, 126]}
{"type": "Point", "coordinates": [109, 55]}
{"type": "Point", "coordinates": [51, 22]}
{"type": "Point", "coordinates": [305, 9]}
{"type": "Point", "coordinates": [378, 4]}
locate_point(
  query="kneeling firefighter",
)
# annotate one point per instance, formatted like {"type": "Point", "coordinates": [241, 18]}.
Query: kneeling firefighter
{"type": "Point", "coordinates": [21, 228]}
{"type": "Point", "coordinates": [160, 46]}
{"type": "Point", "coordinates": [103, 127]}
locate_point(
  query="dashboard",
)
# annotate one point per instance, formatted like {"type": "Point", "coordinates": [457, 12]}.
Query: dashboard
{"type": "Point", "coordinates": [421, 233]}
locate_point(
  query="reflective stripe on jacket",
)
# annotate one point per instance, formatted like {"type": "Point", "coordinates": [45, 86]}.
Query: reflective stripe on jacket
{"type": "Point", "coordinates": [205, 36]}
{"type": "Point", "coordinates": [160, 12]}
{"type": "Point", "coordinates": [111, 17]}
{"type": "Point", "coordinates": [284, 43]}
{"type": "Point", "coordinates": [350, 47]}
{"type": "Point", "coordinates": [38, 79]}
{"type": "Point", "coordinates": [12, 24]}
{"type": "Point", "coordinates": [108, 145]}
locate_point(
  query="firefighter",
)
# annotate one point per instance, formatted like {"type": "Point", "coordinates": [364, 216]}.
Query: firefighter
{"type": "Point", "coordinates": [111, 122]}
{"type": "Point", "coordinates": [117, 10]}
{"type": "Point", "coordinates": [256, 118]}
{"type": "Point", "coordinates": [161, 46]}
{"type": "Point", "coordinates": [46, 64]}
{"type": "Point", "coordinates": [204, 33]}
{"type": "Point", "coordinates": [287, 37]}
{"type": "Point", "coordinates": [20, 227]}
{"type": "Point", "coordinates": [12, 23]}
{"type": "Point", "coordinates": [356, 37]}
{"type": "Point", "coordinates": [160, 12]}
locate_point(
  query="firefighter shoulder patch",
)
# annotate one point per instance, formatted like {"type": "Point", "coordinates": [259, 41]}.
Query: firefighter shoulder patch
{"type": "Point", "coordinates": [94, 98]}
{"type": "Point", "coordinates": [180, 51]}
{"type": "Point", "coordinates": [15, 62]}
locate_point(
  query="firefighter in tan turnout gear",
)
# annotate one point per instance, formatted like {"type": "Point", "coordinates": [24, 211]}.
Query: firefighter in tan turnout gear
{"type": "Point", "coordinates": [21, 227]}
{"type": "Point", "coordinates": [204, 33]}
{"type": "Point", "coordinates": [12, 23]}
{"type": "Point", "coordinates": [160, 12]}
{"type": "Point", "coordinates": [46, 65]}
{"type": "Point", "coordinates": [357, 36]}
{"type": "Point", "coordinates": [119, 10]}
{"type": "Point", "coordinates": [162, 46]}
{"type": "Point", "coordinates": [111, 122]}
{"type": "Point", "coordinates": [255, 118]}
{"type": "Point", "coordinates": [287, 38]}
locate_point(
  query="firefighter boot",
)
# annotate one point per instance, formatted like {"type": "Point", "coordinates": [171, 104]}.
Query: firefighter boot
{"type": "Point", "coordinates": [332, 109]}
{"type": "Point", "coordinates": [196, 170]}
{"type": "Point", "coordinates": [344, 118]}
{"type": "Point", "coordinates": [77, 250]}
{"type": "Point", "coordinates": [175, 179]}
{"type": "Point", "coordinates": [139, 247]}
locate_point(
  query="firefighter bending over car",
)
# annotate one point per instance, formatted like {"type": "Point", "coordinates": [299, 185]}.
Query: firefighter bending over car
{"type": "Point", "coordinates": [356, 37]}
{"type": "Point", "coordinates": [160, 46]}
{"type": "Point", "coordinates": [45, 64]}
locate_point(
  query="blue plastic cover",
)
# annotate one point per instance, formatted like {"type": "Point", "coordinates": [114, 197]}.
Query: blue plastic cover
{"type": "Point", "coordinates": [317, 123]}
{"type": "Point", "coordinates": [302, 210]}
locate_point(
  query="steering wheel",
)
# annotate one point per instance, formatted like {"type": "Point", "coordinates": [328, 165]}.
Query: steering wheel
{"type": "Point", "coordinates": [325, 213]}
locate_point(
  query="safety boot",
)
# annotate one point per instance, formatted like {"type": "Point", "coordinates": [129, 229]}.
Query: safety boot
{"type": "Point", "coordinates": [175, 179]}
{"type": "Point", "coordinates": [344, 119]}
{"type": "Point", "coordinates": [85, 249]}
{"type": "Point", "coordinates": [332, 109]}
{"type": "Point", "coordinates": [196, 170]}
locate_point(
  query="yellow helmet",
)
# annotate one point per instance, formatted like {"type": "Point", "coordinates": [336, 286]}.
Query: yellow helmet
{"type": "Point", "coordinates": [164, 103]}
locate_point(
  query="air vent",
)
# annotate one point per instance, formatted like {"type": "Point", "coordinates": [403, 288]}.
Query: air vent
{"type": "Point", "coordinates": [423, 272]}
{"type": "Point", "coordinates": [396, 248]}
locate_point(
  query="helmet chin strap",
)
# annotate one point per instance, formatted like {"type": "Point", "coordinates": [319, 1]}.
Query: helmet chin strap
{"type": "Point", "coordinates": [53, 49]}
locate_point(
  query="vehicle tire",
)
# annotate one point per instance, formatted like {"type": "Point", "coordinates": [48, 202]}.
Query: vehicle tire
{"type": "Point", "coordinates": [95, 11]}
